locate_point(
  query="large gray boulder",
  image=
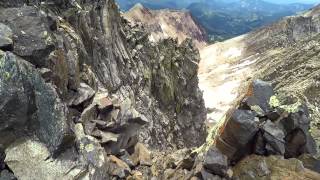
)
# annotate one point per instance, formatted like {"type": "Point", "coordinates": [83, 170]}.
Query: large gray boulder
{"type": "Point", "coordinates": [29, 105]}
{"type": "Point", "coordinates": [238, 133]}
{"type": "Point", "coordinates": [32, 37]}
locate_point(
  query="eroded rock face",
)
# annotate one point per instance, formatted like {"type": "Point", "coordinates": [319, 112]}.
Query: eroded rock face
{"type": "Point", "coordinates": [83, 87]}
{"type": "Point", "coordinates": [166, 23]}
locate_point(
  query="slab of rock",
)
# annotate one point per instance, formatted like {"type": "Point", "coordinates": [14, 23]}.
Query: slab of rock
{"type": "Point", "coordinates": [298, 137]}
{"type": "Point", "coordinates": [83, 94]}
{"type": "Point", "coordinates": [239, 130]}
{"type": "Point", "coordinates": [215, 162]}
{"type": "Point", "coordinates": [141, 155]}
{"type": "Point", "coordinates": [262, 92]}
{"type": "Point", "coordinates": [29, 159]}
{"type": "Point", "coordinates": [6, 42]}
{"type": "Point", "coordinates": [120, 168]}
{"type": "Point", "coordinates": [274, 137]}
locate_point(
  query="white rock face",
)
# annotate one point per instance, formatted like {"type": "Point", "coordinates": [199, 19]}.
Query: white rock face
{"type": "Point", "coordinates": [30, 159]}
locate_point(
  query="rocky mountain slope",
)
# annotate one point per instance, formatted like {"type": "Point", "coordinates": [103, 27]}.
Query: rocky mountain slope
{"type": "Point", "coordinates": [79, 85]}
{"type": "Point", "coordinates": [285, 53]}
{"type": "Point", "coordinates": [165, 23]}
{"type": "Point", "coordinates": [225, 20]}
{"type": "Point", "coordinates": [85, 95]}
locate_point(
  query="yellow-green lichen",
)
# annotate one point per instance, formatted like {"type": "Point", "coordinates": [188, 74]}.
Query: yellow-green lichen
{"type": "Point", "coordinates": [274, 101]}
{"type": "Point", "coordinates": [89, 147]}
{"type": "Point", "coordinates": [291, 108]}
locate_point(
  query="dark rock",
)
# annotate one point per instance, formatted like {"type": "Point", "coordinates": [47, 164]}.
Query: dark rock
{"type": "Point", "coordinates": [274, 137]}
{"type": "Point", "coordinates": [273, 115]}
{"type": "Point", "coordinates": [31, 34]}
{"type": "Point", "coordinates": [34, 105]}
{"type": "Point", "coordinates": [262, 92]}
{"type": "Point", "coordinates": [295, 142]}
{"type": "Point", "coordinates": [6, 43]}
{"type": "Point", "coordinates": [2, 157]}
{"type": "Point", "coordinates": [298, 137]}
{"type": "Point", "coordinates": [258, 97]}
{"type": "Point", "coordinates": [240, 129]}
{"type": "Point", "coordinates": [46, 74]}
{"type": "Point", "coordinates": [208, 176]}
{"type": "Point", "coordinates": [259, 144]}
{"type": "Point", "coordinates": [6, 175]}
{"type": "Point", "coordinates": [215, 162]}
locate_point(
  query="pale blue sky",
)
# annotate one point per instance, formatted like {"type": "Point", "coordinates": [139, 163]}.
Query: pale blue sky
{"type": "Point", "coordinates": [293, 1]}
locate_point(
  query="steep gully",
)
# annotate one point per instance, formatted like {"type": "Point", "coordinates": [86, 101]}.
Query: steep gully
{"type": "Point", "coordinates": [221, 74]}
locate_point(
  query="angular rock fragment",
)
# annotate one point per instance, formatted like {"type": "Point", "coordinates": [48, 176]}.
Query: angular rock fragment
{"type": "Point", "coordinates": [83, 94]}
{"type": "Point", "coordinates": [31, 33]}
{"type": "Point", "coordinates": [118, 167]}
{"type": "Point", "coordinates": [298, 138]}
{"type": "Point", "coordinates": [141, 155]}
{"type": "Point", "coordinates": [258, 97]}
{"type": "Point", "coordinates": [239, 130]}
{"type": "Point", "coordinates": [274, 137]}
{"type": "Point", "coordinates": [215, 162]}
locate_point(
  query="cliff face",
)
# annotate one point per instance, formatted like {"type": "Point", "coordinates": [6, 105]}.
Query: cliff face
{"type": "Point", "coordinates": [78, 83]}
{"type": "Point", "coordinates": [165, 23]}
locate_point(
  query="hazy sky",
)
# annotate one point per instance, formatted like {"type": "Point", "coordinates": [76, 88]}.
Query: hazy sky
{"type": "Point", "coordinates": [292, 1]}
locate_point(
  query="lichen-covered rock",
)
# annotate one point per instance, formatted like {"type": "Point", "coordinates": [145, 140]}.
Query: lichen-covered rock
{"type": "Point", "coordinates": [28, 159]}
{"type": "Point", "coordinates": [273, 167]}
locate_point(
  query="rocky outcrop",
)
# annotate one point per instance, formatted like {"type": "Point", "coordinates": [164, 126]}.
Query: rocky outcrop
{"type": "Point", "coordinates": [80, 87]}
{"type": "Point", "coordinates": [166, 23]}
{"type": "Point", "coordinates": [251, 128]}
{"type": "Point", "coordinates": [272, 167]}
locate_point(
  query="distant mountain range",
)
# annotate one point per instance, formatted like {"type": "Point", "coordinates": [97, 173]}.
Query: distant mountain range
{"type": "Point", "coordinates": [224, 19]}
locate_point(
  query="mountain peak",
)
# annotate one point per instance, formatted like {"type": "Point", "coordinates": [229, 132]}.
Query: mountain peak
{"type": "Point", "coordinates": [138, 6]}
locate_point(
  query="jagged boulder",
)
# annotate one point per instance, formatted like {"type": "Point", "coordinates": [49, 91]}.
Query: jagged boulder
{"type": "Point", "coordinates": [30, 105]}
{"type": "Point", "coordinates": [215, 162]}
{"type": "Point", "coordinates": [263, 126]}
{"type": "Point", "coordinates": [238, 133]}
{"type": "Point", "coordinates": [32, 36]}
